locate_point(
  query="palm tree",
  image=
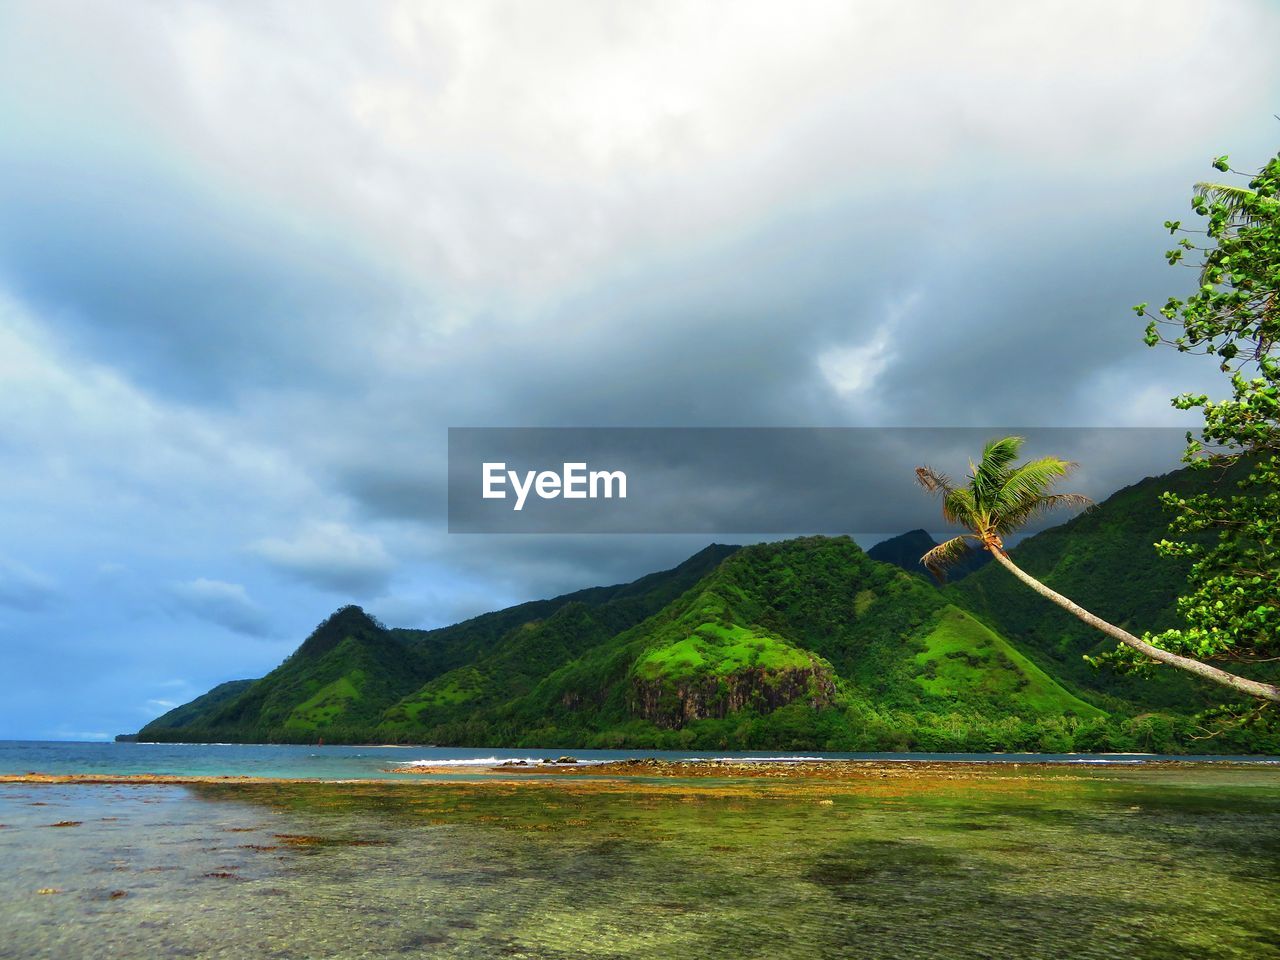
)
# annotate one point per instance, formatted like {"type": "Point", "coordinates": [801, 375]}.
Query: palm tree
{"type": "Point", "coordinates": [998, 499]}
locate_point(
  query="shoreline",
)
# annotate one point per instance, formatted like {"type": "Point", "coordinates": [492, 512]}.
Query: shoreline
{"type": "Point", "coordinates": [807, 770]}
{"type": "Point", "coordinates": [654, 771]}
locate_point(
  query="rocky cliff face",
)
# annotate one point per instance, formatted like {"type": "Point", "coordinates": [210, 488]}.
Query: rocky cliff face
{"type": "Point", "coordinates": [671, 704]}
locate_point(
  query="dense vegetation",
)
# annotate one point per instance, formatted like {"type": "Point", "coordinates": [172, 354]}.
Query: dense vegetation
{"type": "Point", "coordinates": [999, 496]}
{"type": "Point", "coordinates": [804, 644]}
{"type": "Point", "coordinates": [1230, 607]}
{"type": "Point", "coordinates": [1104, 559]}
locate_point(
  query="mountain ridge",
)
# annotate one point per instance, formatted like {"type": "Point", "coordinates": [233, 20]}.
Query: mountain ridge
{"type": "Point", "coordinates": [906, 549]}
{"type": "Point", "coordinates": [806, 643]}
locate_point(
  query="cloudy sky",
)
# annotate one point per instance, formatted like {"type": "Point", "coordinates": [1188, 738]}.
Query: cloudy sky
{"type": "Point", "coordinates": [256, 258]}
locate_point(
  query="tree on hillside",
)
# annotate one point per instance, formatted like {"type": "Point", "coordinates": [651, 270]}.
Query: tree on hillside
{"type": "Point", "coordinates": [1000, 497]}
{"type": "Point", "coordinates": [1232, 604]}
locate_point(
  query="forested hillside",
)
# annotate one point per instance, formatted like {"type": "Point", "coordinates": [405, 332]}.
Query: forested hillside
{"type": "Point", "coordinates": [807, 643]}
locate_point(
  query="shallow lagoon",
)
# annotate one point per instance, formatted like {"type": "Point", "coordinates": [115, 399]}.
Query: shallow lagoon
{"type": "Point", "coordinates": [1017, 862]}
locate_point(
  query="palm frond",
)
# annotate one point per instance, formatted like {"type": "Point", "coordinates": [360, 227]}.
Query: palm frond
{"type": "Point", "coordinates": [1000, 497]}
{"type": "Point", "coordinates": [993, 466]}
{"type": "Point", "coordinates": [1014, 518]}
{"type": "Point", "coordinates": [1235, 198]}
{"type": "Point", "coordinates": [1244, 206]}
{"type": "Point", "coordinates": [946, 554]}
{"type": "Point", "coordinates": [1055, 500]}
{"type": "Point", "coordinates": [960, 506]}
{"type": "Point", "coordinates": [1029, 482]}
{"type": "Point", "coordinates": [933, 481]}
{"type": "Point", "coordinates": [998, 454]}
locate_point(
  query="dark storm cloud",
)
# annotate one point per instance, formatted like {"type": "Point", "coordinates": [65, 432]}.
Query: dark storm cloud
{"type": "Point", "coordinates": [194, 293]}
{"type": "Point", "coordinates": [763, 480]}
{"type": "Point", "coordinates": [986, 324]}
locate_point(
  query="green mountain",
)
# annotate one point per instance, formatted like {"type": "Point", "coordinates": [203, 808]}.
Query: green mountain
{"type": "Point", "coordinates": [802, 644]}
{"type": "Point", "coordinates": [333, 685]}
{"type": "Point", "coordinates": [805, 643]}
{"type": "Point", "coordinates": [193, 713]}
{"type": "Point", "coordinates": [351, 670]}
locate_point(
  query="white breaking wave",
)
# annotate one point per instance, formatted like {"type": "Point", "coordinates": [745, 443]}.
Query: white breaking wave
{"type": "Point", "coordinates": [543, 762]}
{"type": "Point", "coordinates": [1093, 759]}
{"type": "Point", "coordinates": [492, 762]}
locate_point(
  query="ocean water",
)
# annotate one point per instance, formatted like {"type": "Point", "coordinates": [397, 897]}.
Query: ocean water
{"type": "Point", "coordinates": [291, 761]}
{"type": "Point", "coordinates": [1127, 860]}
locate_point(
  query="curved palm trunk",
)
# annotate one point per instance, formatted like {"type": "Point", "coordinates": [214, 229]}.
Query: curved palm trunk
{"type": "Point", "coordinates": [1252, 688]}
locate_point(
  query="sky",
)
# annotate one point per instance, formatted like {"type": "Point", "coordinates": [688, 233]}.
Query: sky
{"type": "Point", "coordinates": [257, 258]}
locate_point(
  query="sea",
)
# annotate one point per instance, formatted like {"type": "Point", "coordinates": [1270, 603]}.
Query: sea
{"type": "Point", "coordinates": [356, 852]}
{"type": "Point", "coordinates": [336, 762]}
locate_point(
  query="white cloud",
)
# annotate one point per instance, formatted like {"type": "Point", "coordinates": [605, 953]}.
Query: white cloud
{"type": "Point", "coordinates": [223, 603]}
{"type": "Point", "coordinates": [508, 152]}
{"type": "Point", "coordinates": [852, 370]}
{"type": "Point", "coordinates": [330, 556]}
